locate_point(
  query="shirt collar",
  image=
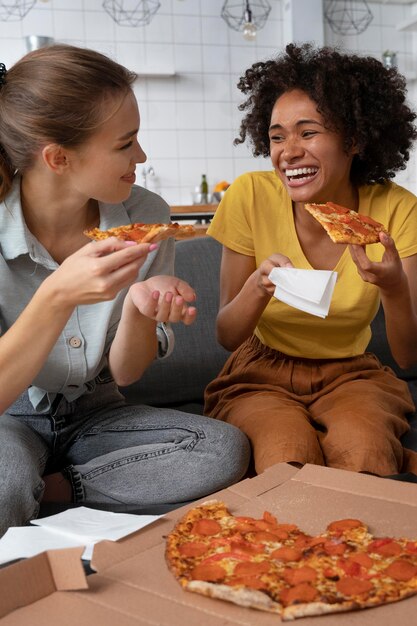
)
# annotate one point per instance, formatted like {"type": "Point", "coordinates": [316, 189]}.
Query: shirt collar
{"type": "Point", "coordinates": [13, 230]}
{"type": "Point", "coordinates": [16, 239]}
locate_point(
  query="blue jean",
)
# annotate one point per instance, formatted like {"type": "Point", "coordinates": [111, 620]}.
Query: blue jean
{"type": "Point", "coordinates": [113, 453]}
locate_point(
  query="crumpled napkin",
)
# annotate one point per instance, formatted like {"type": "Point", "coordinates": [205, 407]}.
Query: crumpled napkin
{"type": "Point", "coordinates": [308, 290]}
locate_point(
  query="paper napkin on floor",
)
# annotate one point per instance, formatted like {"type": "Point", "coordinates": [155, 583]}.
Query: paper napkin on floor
{"type": "Point", "coordinates": [308, 290]}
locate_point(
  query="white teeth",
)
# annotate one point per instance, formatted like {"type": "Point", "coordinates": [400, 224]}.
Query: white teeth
{"type": "Point", "coordinates": [301, 171]}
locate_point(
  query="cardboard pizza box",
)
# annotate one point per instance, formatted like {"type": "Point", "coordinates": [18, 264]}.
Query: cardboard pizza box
{"type": "Point", "coordinates": [133, 586]}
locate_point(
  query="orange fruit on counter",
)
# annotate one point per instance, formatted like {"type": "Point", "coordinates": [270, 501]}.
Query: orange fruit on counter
{"type": "Point", "coordinates": [222, 186]}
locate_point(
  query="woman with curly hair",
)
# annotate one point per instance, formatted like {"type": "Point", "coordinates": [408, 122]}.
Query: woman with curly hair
{"type": "Point", "coordinates": [337, 128]}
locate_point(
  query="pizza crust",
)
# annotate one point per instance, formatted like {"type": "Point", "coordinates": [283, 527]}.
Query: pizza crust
{"type": "Point", "coordinates": [243, 596]}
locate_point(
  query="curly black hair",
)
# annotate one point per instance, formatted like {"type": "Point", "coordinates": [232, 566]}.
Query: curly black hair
{"type": "Point", "coordinates": [357, 96]}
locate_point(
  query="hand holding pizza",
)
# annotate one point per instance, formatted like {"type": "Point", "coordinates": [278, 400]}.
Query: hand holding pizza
{"type": "Point", "coordinates": [388, 274]}
{"type": "Point", "coordinates": [98, 271]}
{"type": "Point", "coordinates": [165, 299]}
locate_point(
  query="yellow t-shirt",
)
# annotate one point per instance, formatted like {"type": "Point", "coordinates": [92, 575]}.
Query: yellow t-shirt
{"type": "Point", "coordinates": [255, 218]}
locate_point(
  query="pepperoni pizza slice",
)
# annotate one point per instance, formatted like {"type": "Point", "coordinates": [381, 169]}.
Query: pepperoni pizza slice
{"type": "Point", "coordinates": [273, 566]}
{"type": "Point", "coordinates": [344, 225]}
{"type": "Point", "coordinates": [144, 233]}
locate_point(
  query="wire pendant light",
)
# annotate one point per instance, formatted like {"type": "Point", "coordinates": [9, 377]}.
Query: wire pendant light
{"type": "Point", "coordinates": [131, 12]}
{"type": "Point", "coordinates": [246, 17]}
{"type": "Point", "coordinates": [348, 17]}
{"type": "Point", "coordinates": [13, 10]}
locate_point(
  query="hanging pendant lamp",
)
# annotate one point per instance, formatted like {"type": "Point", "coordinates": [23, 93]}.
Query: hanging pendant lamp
{"type": "Point", "coordinates": [131, 12]}
{"type": "Point", "coordinates": [246, 17]}
{"type": "Point", "coordinates": [348, 17]}
{"type": "Point", "coordinates": [13, 10]}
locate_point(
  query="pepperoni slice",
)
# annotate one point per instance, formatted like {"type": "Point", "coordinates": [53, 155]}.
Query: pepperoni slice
{"type": "Point", "coordinates": [264, 536]}
{"type": "Point", "coordinates": [300, 593]}
{"type": "Point", "coordinates": [192, 548]}
{"type": "Point", "coordinates": [246, 581]}
{"type": "Point", "coordinates": [401, 570]}
{"type": "Point", "coordinates": [271, 519]}
{"type": "Point", "coordinates": [351, 568]}
{"type": "Point", "coordinates": [244, 527]}
{"type": "Point", "coordinates": [245, 547]}
{"type": "Point", "coordinates": [287, 554]}
{"type": "Point", "coordinates": [411, 546]}
{"type": "Point", "coordinates": [219, 556]}
{"type": "Point", "coordinates": [206, 527]}
{"type": "Point", "coordinates": [251, 568]}
{"type": "Point", "coordinates": [385, 547]}
{"type": "Point", "coordinates": [302, 541]}
{"type": "Point", "coordinates": [349, 586]}
{"type": "Point", "coordinates": [210, 572]}
{"type": "Point", "coordinates": [337, 207]}
{"type": "Point", "coordinates": [334, 548]}
{"type": "Point", "coordinates": [344, 524]}
{"type": "Point", "coordinates": [362, 558]}
{"type": "Point", "coordinates": [304, 574]}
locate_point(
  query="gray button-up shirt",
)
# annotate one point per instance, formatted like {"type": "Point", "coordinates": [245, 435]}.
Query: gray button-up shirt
{"type": "Point", "coordinates": [80, 352]}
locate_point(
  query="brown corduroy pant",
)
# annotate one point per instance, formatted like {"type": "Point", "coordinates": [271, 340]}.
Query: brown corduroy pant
{"type": "Point", "coordinates": [345, 413]}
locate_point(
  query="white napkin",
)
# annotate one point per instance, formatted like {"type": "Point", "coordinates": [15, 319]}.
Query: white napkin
{"type": "Point", "coordinates": [80, 526]}
{"type": "Point", "coordinates": [308, 290]}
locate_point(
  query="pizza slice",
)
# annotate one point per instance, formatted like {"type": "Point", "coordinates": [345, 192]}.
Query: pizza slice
{"type": "Point", "coordinates": [143, 233]}
{"type": "Point", "coordinates": [344, 225]}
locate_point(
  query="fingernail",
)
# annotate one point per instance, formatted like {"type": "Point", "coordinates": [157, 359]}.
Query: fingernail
{"type": "Point", "coordinates": [153, 246]}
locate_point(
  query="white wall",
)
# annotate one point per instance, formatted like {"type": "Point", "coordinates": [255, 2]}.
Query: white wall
{"type": "Point", "coordinates": [189, 119]}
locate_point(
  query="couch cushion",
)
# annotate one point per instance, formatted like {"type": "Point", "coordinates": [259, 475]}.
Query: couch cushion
{"type": "Point", "coordinates": [197, 357]}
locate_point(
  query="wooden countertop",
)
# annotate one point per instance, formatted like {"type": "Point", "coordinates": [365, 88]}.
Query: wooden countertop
{"type": "Point", "coordinates": [194, 208]}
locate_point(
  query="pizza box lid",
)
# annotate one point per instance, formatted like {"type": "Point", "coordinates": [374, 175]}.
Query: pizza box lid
{"type": "Point", "coordinates": [132, 584]}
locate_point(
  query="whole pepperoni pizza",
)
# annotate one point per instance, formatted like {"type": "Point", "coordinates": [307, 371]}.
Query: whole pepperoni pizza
{"type": "Point", "coordinates": [274, 566]}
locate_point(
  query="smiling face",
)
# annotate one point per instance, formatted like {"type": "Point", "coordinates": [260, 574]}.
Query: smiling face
{"type": "Point", "coordinates": [309, 158]}
{"type": "Point", "coordinates": [103, 168]}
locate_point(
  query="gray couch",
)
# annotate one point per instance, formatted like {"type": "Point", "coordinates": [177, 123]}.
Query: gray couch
{"type": "Point", "coordinates": [180, 379]}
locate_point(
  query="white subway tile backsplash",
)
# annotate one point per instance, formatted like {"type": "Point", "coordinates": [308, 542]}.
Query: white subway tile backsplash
{"type": "Point", "coordinates": [219, 143]}
{"type": "Point", "coordinates": [216, 58]}
{"type": "Point", "coordinates": [65, 22]}
{"type": "Point", "coordinates": [214, 31]}
{"type": "Point", "coordinates": [160, 30]}
{"type": "Point", "coordinates": [188, 58]}
{"type": "Point", "coordinates": [218, 115]}
{"type": "Point", "coordinates": [187, 29]}
{"type": "Point", "coordinates": [189, 116]}
{"type": "Point", "coordinates": [98, 27]}
{"type": "Point", "coordinates": [218, 87]}
{"type": "Point", "coordinates": [189, 120]}
{"type": "Point", "coordinates": [190, 143]}
{"type": "Point", "coordinates": [38, 22]}
{"type": "Point", "coordinates": [163, 144]}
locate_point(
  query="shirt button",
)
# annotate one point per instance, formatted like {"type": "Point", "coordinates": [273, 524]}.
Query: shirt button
{"type": "Point", "coordinates": [75, 342]}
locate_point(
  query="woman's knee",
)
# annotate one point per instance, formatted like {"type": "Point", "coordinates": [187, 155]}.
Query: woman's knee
{"type": "Point", "coordinates": [230, 452]}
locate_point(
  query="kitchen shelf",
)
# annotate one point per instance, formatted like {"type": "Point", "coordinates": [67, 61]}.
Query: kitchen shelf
{"type": "Point", "coordinates": [408, 24]}
{"type": "Point", "coordinates": [156, 74]}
